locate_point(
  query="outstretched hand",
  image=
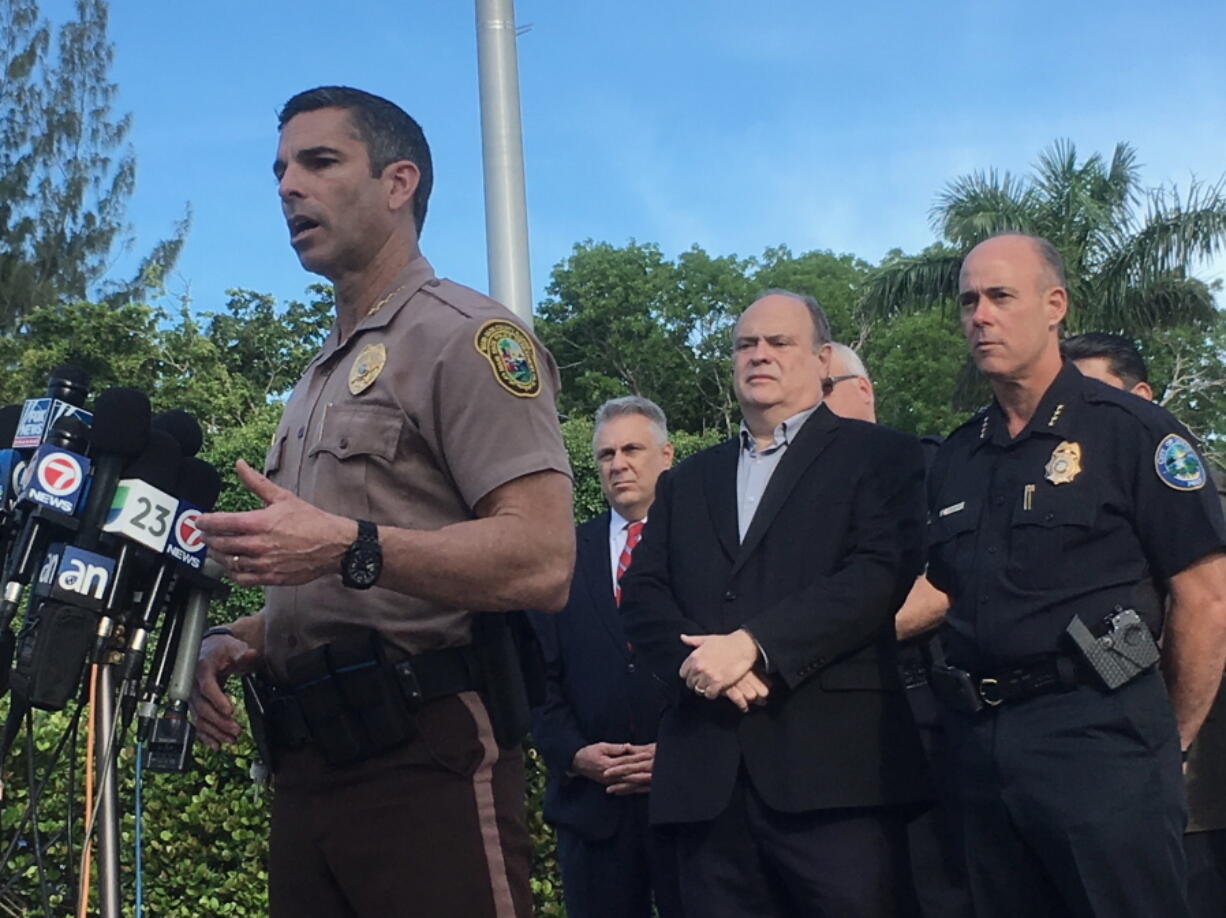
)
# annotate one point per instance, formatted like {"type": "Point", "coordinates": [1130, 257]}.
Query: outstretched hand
{"type": "Point", "coordinates": [288, 541]}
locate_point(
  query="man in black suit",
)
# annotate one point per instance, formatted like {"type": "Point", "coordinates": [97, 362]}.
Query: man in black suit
{"type": "Point", "coordinates": [597, 729]}
{"type": "Point", "coordinates": [763, 593]}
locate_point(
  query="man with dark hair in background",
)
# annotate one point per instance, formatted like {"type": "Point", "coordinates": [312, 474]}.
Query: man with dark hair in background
{"type": "Point", "coordinates": [417, 479]}
{"type": "Point", "coordinates": [763, 594]}
{"type": "Point", "coordinates": [1114, 360]}
{"type": "Point", "coordinates": [1048, 510]}
{"type": "Point", "coordinates": [597, 728]}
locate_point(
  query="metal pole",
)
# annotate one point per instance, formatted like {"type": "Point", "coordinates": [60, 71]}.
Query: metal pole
{"type": "Point", "coordinates": [502, 145]}
{"type": "Point", "coordinates": [108, 791]}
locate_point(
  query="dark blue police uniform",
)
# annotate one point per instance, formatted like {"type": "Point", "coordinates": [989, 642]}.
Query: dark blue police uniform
{"type": "Point", "coordinates": [1071, 795]}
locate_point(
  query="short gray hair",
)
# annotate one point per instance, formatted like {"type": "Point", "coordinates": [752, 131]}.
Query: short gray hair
{"type": "Point", "coordinates": [850, 359]}
{"type": "Point", "coordinates": [821, 325]}
{"type": "Point", "coordinates": [632, 404]}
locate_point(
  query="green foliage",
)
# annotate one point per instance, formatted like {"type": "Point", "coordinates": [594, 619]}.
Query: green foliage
{"type": "Point", "coordinates": [915, 361]}
{"type": "Point", "coordinates": [627, 320]}
{"type": "Point", "coordinates": [1186, 370]}
{"type": "Point", "coordinates": [66, 171]}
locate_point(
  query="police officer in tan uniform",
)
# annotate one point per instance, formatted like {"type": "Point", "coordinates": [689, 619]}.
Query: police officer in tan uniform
{"type": "Point", "coordinates": [417, 476]}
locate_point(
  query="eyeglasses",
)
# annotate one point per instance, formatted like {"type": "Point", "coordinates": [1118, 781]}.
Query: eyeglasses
{"type": "Point", "coordinates": [830, 382]}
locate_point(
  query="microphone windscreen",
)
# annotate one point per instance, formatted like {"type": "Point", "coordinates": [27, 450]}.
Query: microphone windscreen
{"type": "Point", "coordinates": [158, 465]}
{"type": "Point", "coordinates": [199, 483]}
{"type": "Point", "coordinates": [9, 416]}
{"type": "Point", "coordinates": [69, 383]}
{"type": "Point", "coordinates": [69, 432]}
{"type": "Point", "coordinates": [121, 422]}
{"type": "Point", "coordinates": [180, 425]}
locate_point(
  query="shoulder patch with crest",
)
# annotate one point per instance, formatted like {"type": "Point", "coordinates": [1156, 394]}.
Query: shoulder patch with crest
{"type": "Point", "coordinates": [1178, 465]}
{"type": "Point", "coordinates": [511, 356]}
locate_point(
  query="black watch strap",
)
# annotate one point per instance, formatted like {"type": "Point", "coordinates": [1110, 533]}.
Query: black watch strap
{"type": "Point", "coordinates": [363, 560]}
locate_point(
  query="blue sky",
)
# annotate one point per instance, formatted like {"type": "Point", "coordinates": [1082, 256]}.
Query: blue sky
{"type": "Point", "coordinates": [732, 125]}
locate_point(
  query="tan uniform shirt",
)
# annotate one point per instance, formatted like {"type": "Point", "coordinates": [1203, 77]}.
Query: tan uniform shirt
{"type": "Point", "coordinates": [435, 399]}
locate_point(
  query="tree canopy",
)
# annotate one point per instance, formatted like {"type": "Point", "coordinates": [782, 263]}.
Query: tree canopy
{"type": "Point", "coordinates": [66, 169]}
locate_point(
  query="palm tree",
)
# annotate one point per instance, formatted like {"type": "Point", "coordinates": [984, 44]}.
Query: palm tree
{"type": "Point", "coordinates": [1129, 251]}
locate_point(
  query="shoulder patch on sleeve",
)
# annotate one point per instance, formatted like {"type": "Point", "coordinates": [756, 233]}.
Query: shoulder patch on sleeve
{"type": "Point", "coordinates": [1178, 465]}
{"type": "Point", "coordinates": [511, 356]}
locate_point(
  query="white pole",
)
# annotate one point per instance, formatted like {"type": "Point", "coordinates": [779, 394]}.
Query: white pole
{"type": "Point", "coordinates": [506, 218]}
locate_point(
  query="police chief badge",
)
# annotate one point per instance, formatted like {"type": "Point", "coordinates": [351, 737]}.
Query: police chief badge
{"type": "Point", "coordinates": [1064, 464]}
{"type": "Point", "coordinates": [1178, 465]}
{"type": "Point", "coordinates": [366, 368]}
{"type": "Point", "coordinates": [511, 356]}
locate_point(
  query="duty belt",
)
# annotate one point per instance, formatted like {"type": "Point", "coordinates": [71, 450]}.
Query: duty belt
{"type": "Point", "coordinates": [358, 705]}
{"type": "Point", "coordinates": [969, 692]}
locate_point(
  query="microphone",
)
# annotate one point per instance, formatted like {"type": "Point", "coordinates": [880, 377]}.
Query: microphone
{"type": "Point", "coordinates": [139, 517]}
{"type": "Point", "coordinates": [84, 586]}
{"type": "Point", "coordinates": [53, 484]}
{"type": "Point", "coordinates": [170, 740]}
{"type": "Point", "coordinates": [183, 427]}
{"type": "Point", "coordinates": [67, 389]}
{"type": "Point", "coordinates": [120, 433]}
{"type": "Point", "coordinates": [198, 485]}
{"type": "Point", "coordinates": [11, 463]}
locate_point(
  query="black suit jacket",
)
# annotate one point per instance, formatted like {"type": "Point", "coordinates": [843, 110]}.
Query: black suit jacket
{"type": "Point", "coordinates": [832, 550]}
{"type": "Point", "coordinates": [597, 691]}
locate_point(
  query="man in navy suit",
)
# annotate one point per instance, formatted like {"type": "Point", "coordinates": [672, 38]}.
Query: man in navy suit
{"type": "Point", "coordinates": [763, 593]}
{"type": "Point", "coordinates": [597, 729]}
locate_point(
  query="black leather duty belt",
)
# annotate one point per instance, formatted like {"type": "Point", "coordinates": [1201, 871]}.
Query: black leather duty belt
{"type": "Point", "coordinates": [357, 704]}
{"type": "Point", "coordinates": [968, 692]}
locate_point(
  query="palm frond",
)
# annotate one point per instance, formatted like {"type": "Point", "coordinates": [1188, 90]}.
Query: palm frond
{"type": "Point", "coordinates": [1120, 183]}
{"type": "Point", "coordinates": [910, 284]}
{"type": "Point", "coordinates": [974, 207]}
{"type": "Point", "coordinates": [1174, 236]}
{"type": "Point", "coordinates": [1163, 301]}
{"type": "Point", "coordinates": [1056, 171]}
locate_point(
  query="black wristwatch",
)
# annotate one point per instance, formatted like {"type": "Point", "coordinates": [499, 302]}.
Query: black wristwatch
{"type": "Point", "coordinates": [363, 561]}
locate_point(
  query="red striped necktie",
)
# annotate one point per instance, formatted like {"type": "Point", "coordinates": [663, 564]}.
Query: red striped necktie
{"type": "Point", "coordinates": [634, 531]}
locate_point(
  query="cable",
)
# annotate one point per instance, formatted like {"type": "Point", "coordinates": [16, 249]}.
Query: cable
{"type": "Point", "coordinates": [36, 795]}
{"type": "Point", "coordinates": [44, 895]}
{"type": "Point", "coordinates": [138, 806]}
{"type": "Point", "coordinates": [83, 889]}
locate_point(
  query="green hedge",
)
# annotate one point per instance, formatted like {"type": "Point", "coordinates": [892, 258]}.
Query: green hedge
{"type": "Point", "coordinates": [205, 832]}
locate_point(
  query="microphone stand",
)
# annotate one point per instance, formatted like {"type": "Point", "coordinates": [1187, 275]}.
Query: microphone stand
{"type": "Point", "coordinates": [108, 792]}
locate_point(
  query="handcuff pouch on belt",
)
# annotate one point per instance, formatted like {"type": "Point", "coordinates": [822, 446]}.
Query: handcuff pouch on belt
{"type": "Point", "coordinates": [348, 698]}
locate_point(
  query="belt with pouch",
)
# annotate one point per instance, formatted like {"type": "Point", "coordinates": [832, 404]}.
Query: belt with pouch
{"type": "Point", "coordinates": [969, 693]}
{"type": "Point", "coordinates": [355, 698]}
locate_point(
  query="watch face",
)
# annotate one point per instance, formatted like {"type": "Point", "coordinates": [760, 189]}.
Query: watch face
{"type": "Point", "coordinates": [363, 566]}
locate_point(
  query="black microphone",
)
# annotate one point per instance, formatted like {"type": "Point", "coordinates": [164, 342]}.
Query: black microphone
{"type": "Point", "coordinates": [183, 427]}
{"type": "Point", "coordinates": [67, 389]}
{"type": "Point", "coordinates": [120, 433]}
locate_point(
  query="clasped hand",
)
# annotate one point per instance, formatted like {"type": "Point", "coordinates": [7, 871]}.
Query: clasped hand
{"type": "Point", "coordinates": [721, 665]}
